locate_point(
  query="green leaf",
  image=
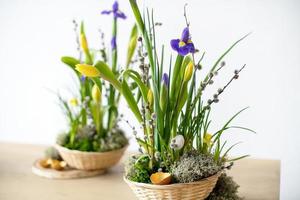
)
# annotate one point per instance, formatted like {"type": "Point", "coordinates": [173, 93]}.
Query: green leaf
{"type": "Point", "coordinates": [107, 74]}
{"type": "Point", "coordinates": [131, 101]}
{"type": "Point", "coordinates": [224, 54]}
{"type": "Point", "coordinates": [132, 44]}
{"type": "Point", "coordinates": [238, 158]}
{"type": "Point", "coordinates": [137, 79]}
{"type": "Point", "coordinates": [70, 61]}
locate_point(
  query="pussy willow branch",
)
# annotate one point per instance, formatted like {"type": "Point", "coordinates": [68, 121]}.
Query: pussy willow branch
{"type": "Point", "coordinates": [204, 84]}
{"type": "Point", "coordinates": [235, 76]}
{"type": "Point", "coordinates": [185, 16]}
{"type": "Point", "coordinates": [103, 47]}
{"type": "Point", "coordinates": [77, 39]}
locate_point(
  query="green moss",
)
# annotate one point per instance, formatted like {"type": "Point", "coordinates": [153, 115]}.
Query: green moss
{"type": "Point", "coordinates": [193, 166]}
{"type": "Point", "coordinates": [87, 140]}
{"type": "Point", "coordinates": [225, 189]}
{"type": "Point", "coordinates": [137, 169]}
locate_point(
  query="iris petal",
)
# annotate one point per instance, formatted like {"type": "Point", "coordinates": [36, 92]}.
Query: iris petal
{"type": "Point", "coordinates": [175, 44]}
{"type": "Point", "coordinates": [185, 35]}
{"type": "Point", "coordinates": [115, 6]}
{"type": "Point", "coordinates": [191, 47]}
{"type": "Point", "coordinates": [183, 50]}
{"type": "Point", "coordinates": [119, 14]}
{"type": "Point", "coordinates": [106, 12]}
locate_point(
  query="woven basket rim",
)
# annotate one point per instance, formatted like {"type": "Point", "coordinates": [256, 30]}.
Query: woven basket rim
{"type": "Point", "coordinates": [89, 152]}
{"type": "Point", "coordinates": [170, 186]}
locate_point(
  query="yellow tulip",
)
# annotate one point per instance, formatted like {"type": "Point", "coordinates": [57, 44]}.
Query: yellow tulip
{"type": "Point", "coordinates": [74, 102]}
{"type": "Point", "coordinates": [87, 70]}
{"type": "Point", "coordinates": [96, 93]}
{"type": "Point", "coordinates": [207, 139]}
{"type": "Point", "coordinates": [150, 97]}
{"type": "Point", "coordinates": [84, 44]}
{"type": "Point", "coordinates": [188, 72]}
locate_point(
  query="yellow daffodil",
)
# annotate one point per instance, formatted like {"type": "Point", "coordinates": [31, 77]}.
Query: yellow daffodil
{"type": "Point", "coordinates": [87, 70]}
{"type": "Point", "coordinates": [207, 139]}
{"type": "Point", "coordinates": [188, 72]}
{"type": "Point", "coordinates": [74, 102]}
{"type": "Point", "coordinates": [150, 97]}
{"type": "Point", "coordinates": [96, 93]}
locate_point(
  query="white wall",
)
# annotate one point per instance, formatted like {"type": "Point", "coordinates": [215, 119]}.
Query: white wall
{"type": "Point", "coordinates": [35, 34]}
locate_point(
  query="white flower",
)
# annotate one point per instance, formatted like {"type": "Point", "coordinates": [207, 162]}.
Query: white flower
{"type": "Point", "coordinates": [177, 142]}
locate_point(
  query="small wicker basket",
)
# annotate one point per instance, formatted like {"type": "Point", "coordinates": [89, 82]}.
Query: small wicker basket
{"type": "Point", "coordinates": [90, 160]}
{"type": "Point", "coordinates": [179, 191]}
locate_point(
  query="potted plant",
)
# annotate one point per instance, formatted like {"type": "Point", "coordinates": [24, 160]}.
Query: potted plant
{"type": "Point", "coordinates": [94, 140]}
{"type": "Point", "coordinates": [180, 158]}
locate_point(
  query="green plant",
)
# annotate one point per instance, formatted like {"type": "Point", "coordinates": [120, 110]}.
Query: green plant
{"type": "Point", "coordinates": [225, 189]}
{"type": "Point", "coordinates": [174, 116]}
{"type": "Point", "coordinates": [94, 115]}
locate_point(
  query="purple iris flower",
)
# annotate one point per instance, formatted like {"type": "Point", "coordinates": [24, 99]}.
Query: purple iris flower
{"type": "Point", "coordinates": [115, 10]}
{"type": "Point", "coordinates": [184, 45]}
{"type": "Point", "coordinates": [113, 43]}
{"type": "Point", "coordinates": [165, 80]}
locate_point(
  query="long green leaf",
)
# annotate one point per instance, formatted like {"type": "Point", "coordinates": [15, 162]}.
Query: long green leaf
{"type": "Point", "coordinates": [107, 74]}
{"type": "Point", "coordinates": [131, 101]}
{"type": "Point", "coordinates": [137, 79]}
{"type": "Point", "coordinates": [132, 44]}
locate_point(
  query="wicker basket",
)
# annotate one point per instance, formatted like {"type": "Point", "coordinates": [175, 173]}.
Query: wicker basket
{"type": "Point", "coordinates": [179, 191]}
{"type": "Point", "coordinates": [90, 160]}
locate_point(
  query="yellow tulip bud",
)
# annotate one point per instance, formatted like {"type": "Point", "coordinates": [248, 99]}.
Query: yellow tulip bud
{"type": "Point", "coordinates": [96, 93]}
{"type": "Point", "coordinates": [84, 44]}
{"type": "Point", "coordinates": [207, 139]}
{"type": "Point", "coordinates": [74, 102]}
{"type": "Point", "coordinates": [188, 72]}
{"type": "Point", "coordinates": [150, 97]}
{"type": "Point", "coordinates": [87, 70]}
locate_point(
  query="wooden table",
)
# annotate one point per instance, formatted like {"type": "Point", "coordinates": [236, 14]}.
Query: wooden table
{"type": "Point", "coordinates": [259, 179]}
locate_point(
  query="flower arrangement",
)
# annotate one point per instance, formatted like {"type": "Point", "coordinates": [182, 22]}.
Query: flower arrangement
{"type": "Point", "coordinates": [176, 145]}
{"type": "Point", "coordinates": [93, 117]}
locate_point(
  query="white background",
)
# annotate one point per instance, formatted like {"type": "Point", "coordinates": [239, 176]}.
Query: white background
{"type": "Point", "coordinates": [35, 34]}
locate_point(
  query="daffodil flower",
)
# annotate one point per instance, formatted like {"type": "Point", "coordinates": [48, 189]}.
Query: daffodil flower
{"type": "Point", "coordinates": [96, 94]}
{"type": "Point", "coordinates": [87, 70]}
{"type": "Point", "coordinates": [74, 102]}
{"type": "Point", "coordinates": [115, 11]}
{"type": "Point", "coordinates": [150, 97]}
{"type": "Point", "coordinates": [207, 139]}
{"type": "Point", "coordinates": [188, 72]}
{"type": "Point", "coordinates": [184, 45]}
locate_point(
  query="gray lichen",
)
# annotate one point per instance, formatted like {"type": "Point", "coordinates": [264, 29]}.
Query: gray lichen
{"type": "Point", "coordinates": [225, 189]}
{"type": "Point", "coordinates": [115, 140]}
{"type": "Point", "coordinates": [62, 139]}
{"type": "Point", "coordinates": [193, 166]}
{"type": "Point", "coordinates": [52, 153]}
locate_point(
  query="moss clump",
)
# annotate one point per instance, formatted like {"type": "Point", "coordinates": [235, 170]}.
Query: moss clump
{"type": "Point", "coordinates": [115, 140]}
{"type": "Point", "coordinates": [62, 139]}
{"type": "Point", "coordinates": [137, 169]}
{"type": "Point", "coordinates": [193, 166]}
{"type": "Point", "coordinates": [225, 189]}
{"type": "Point", "coordinates": [87, 139]}
{"type": "Point", "coordinates": [52, 153]}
